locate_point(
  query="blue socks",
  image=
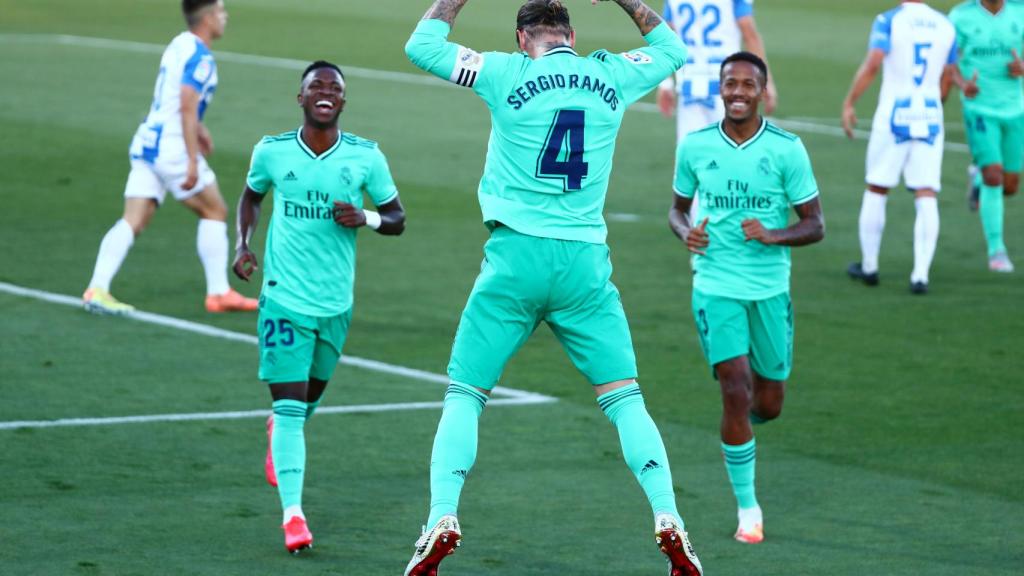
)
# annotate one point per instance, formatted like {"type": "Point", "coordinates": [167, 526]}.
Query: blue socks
{"type": "Point", "coordinates": [454, 448]}
{"type": "Point", "coordinates": [642, 446]}
{"type": "Point", "coordinates": [739, 463]}
{"type": "Point", "coordinates": [288, 445]}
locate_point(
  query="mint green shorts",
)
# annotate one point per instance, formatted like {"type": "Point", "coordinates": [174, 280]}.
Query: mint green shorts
{"type": "Point", "coordinates": [525, 280]}
{"type": "Point", "coordinates": [995, 140]}
{"type": "Point", "coordinates": [295, 347]}
{"type": "Point", "coordinates": [761, 329]}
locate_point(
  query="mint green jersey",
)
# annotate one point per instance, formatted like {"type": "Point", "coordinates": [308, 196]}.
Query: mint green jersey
{"type": "Point", "coordinates": [310, 263]}
{"type": "Point", "coordinates": [554, 121]}
{"type": "Point", "coordinates": [985, 41]}
{"type": "Point", "coordinates": [760, 178]}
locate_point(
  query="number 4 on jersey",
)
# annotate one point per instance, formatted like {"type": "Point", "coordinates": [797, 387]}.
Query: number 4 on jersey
{"type": "Point", "coordinates": [567, 132]}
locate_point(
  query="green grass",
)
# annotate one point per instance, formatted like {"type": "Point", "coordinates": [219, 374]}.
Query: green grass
{"type": "Point", "coordinates": [899, 449]}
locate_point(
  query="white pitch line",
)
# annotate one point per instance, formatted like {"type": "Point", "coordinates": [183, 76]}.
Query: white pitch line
{"type": "Point", "coordinates": [210, 416]}
{"type": "Point", "coordinates": [512, 396]}
{"type": "Point", "coordinates": [796, 125]}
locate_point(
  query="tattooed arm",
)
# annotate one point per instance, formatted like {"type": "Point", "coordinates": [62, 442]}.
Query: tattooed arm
{"type": "Point", "coordinates": [645, 18]}
{"type": "Point", "coordinates": [445, 10]}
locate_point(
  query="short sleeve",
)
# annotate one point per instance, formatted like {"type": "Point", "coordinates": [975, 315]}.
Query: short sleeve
{"type": "Point", "coordinates": [640, 71]}
{"type": "Point", "coordinates": [379, 184]}
{"type": "Point", "coordinates": [743, 8]}
{"type": "Point", "coordinates": [954, 54]}
{"type": "Point", "coordinates": [259, 179]}
{"type": "Point", "coordinates": [799, 182]}
{"type": "Point", "coordinates": [685, 182]}
{"type": "Point", "coordinates": [881, 34]}
{"type": "Point", "coordinates": [198, 70]}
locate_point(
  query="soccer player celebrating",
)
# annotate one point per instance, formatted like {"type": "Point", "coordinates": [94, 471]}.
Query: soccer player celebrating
{"type": "Point", "coordinates": [554, 120]}
{"type": "Point", "coordinates": [168, 153]}
{"type": "Point", "coordinates": [748, 173]}
{"type": "Point", "coordinates": [914, 45]}
{"type": "Point", "coordinates": [318, 175]}
{"type": "Point", "coordinates": [990, 36]}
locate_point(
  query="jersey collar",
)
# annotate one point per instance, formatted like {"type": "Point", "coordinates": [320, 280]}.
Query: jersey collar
{"type": "Point", "coordinates": [309, 151]}
{"type": "Point", "coordinates": [564, 49]}
{"type": "Point", "coordinates": [731, 142]}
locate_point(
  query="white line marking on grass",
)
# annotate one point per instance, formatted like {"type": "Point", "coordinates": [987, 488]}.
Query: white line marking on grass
{"type": "Point", "coordinates": [512, 396]}
{"type": "Point", "coordinates": [209, 416]}
{"type": "Point", "coordinates": [796, 125]}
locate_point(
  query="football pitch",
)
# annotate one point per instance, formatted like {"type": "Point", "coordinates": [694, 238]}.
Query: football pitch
{"type": "Point", "coordinates": [135, 446]}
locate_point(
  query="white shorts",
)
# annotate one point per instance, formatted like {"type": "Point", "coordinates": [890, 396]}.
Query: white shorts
{"type": "Point", "coordinates": [919, 162]}
{"type": "Point", "coordinates": [695, 116]}
{"type": "Point", "coordinates": [166, 172]}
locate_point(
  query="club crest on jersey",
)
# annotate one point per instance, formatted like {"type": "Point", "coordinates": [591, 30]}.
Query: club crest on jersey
{"type": "Point", "coordinates": [203, 69]}
{"type": "Point", "coordinates": [637, 57]}
{"type": "Point", "coordinates": [765, 166]}
{"type": "Point", "coordinates": [346, 176]}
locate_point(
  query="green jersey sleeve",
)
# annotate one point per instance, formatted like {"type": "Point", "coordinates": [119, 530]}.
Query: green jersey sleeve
{"type": "Point", "coordinates": [489, 74]}
{"type": "Point", "coordinates": [259, 179]}
{"type": "Point", "coordinates": [798, 176]}
{"type": "Point", "coordinates": [639, 71]}
{"type": "Point", "coordinates": [685, 183]}
{"type": "Point", "coordinates": [379, 183]}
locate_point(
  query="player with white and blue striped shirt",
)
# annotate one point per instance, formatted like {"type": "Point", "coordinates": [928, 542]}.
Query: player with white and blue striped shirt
{"type": "Point", "coordinates": [915, 46]}
{"type": "Point", "coordinates": [168, 153]}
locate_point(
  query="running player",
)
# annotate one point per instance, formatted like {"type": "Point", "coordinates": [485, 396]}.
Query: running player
{"type": "Point", "coordinates": [554, 120]}
{"type": "Point", "coordinates": [711, 29]}
{"type": "Point", "coordinates": [318, 175]}
{"type": "Point", "coordinates": [169, 153]}
{"type": "Point", "coordinates": [990, 36]}
{"type": "Point", "coordinates": [914, 45]}
{"type": "Point", "coordinates": [748, 173]}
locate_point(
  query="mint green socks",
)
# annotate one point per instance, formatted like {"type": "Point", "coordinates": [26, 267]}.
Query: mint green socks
{"type": "Point", "coordinates": [991, 208]}
{"type": "Point", "coordinates": [739, 463]}
{"type": "Point", "coordinates": [642, 446]}
{"type": "Point", "coordinates": [288, 445]}
{"type": "Point", "coordinates": [454, 448]}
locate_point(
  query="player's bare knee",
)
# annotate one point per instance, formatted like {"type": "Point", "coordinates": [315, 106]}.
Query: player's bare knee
{"type": "Point", "coordinates": [992, 175]}
{"type": "Point", "coordinates": [877, 189]}
{"type": "Point", "coordinates": [1011, 183]}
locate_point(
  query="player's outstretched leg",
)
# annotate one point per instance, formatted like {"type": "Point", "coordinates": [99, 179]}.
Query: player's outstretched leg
{"type": "Point", "coordinates": [992, 214]}
{"type": "Point", "coordinates": [212, 246]}
{"type": "Point", "coordinates": [113, 250]}
{"type": "Point", "coordinates": [645, 455]}
{"type": "Point", "coordinates": [926, 237]}
{"type": "Point", "coordinates": [288, 444]}
{"type": "Point", "coordinates": [452, 458]}
{"type": "Point", "coordinates": [871, 226]}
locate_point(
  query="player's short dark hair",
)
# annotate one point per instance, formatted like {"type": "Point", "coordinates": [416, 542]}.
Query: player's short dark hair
{"type": "Point", "coordinates": [544, 16]}
{"type": "Point", "coordinates": [750, 58]}
{"type": "Point", "coordinates": [322, 64]}
{"type": "Point", "coordinates": [191, 9]}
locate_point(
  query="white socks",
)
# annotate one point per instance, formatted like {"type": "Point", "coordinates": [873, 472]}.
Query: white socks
{"type": "Point", "coordinates": [212, 245]}
{"type": "Point", "coordinates": [926, 236]}
{"type": "Point", "coordinates": [113, 250]}
{"type": "Point", "coordinates": [872, 224]}
{"type": "Point", "coordinates": [292, 511]}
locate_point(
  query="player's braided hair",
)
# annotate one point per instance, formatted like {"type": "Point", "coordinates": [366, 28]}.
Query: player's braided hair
{"type": "Point", "coordinates": [192, 8]}
{"type": "Point", "coordinates": [543, 16]}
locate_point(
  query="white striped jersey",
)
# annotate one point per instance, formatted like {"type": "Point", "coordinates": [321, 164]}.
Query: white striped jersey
{"type": "Point", "coordinates": [711, 32]}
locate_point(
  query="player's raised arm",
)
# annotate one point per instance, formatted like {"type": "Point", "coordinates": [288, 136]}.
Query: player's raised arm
{"type": "Point", "coordinates": [428, 47]}
{"type": "Point", "coordinates": [639, 71]}
{"type": "Point", "coordinates": [645, 18]}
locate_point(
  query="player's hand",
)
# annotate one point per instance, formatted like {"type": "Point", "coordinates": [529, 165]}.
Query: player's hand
{"type": "Point", "coordinates": [970, 88]}
{"type": "Point", "coordinates": [754, 230]}
{"type": "Point", "coordinates": [771, 98]}
{"type": "Point", "coordinates": [348, 215]}
{"type": "Point", "coordinates": [1016, 65]}
{"type": "Point", "coordinates": [191, 176]}
{"type": "Point", "coordinates": [697, 240]}
{"type": "Point", "coordinates": [849, 120]}
{"type": "Point", "coordinates": [205, 141]}
{"type": "Point", "coordinates": [245, 264]}
{"type": "Point", "coordinates": [667, 102]}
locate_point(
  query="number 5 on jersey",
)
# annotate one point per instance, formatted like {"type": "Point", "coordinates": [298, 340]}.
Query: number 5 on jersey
{"type": "Point", "coordinates": [562, 156]}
